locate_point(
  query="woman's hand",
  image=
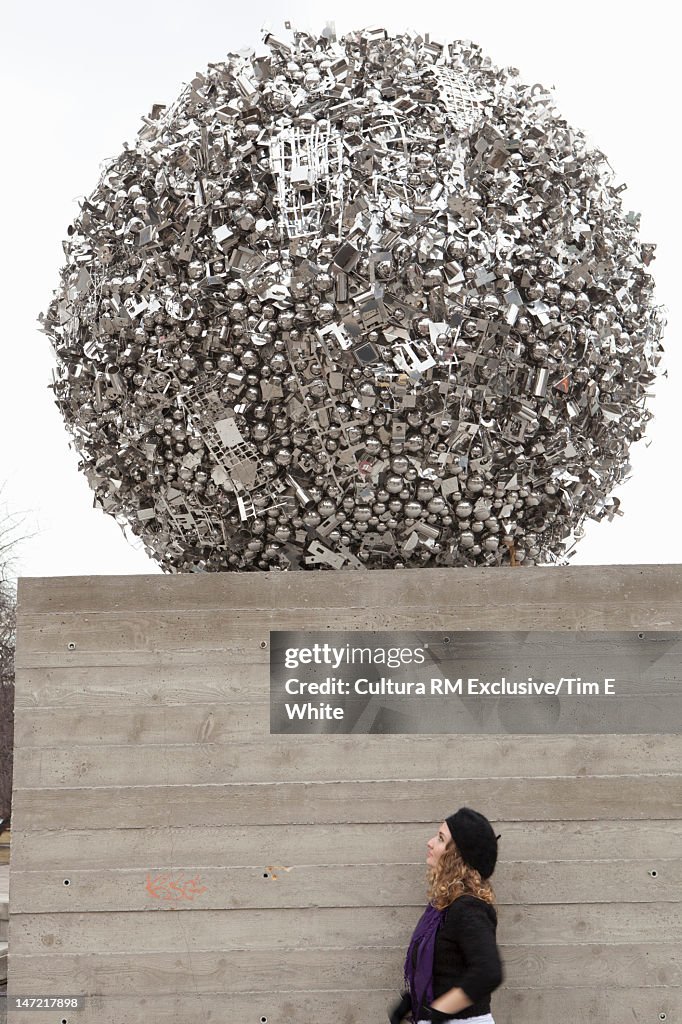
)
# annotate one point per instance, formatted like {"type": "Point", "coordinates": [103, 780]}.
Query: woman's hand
{"type": "Point", "coordinates": [401, 1009]}
{"type": "Point", "coordinates": [451, 1002]}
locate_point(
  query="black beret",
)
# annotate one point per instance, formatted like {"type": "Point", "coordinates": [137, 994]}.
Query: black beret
{"type": "Point", "coordinates": [475, 839]}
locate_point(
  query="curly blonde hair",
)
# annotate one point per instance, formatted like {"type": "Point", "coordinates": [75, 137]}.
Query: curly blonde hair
{"type": "Point", "coordinates": [452, 878]}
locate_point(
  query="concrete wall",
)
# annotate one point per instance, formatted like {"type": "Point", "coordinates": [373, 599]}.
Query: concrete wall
{"type": "Point", "coordinates": [143, 750]}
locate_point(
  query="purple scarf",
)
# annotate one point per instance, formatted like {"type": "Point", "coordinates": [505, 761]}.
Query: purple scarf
{"type": "Point", "coordinates": [419, 976]}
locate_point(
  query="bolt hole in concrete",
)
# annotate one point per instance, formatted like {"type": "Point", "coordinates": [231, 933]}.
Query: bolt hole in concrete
{"type": "Point", "coordinates": [67, 881]}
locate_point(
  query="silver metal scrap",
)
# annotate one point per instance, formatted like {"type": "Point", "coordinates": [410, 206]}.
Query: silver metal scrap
{"type": "Point", "coordinates": [355, 303]}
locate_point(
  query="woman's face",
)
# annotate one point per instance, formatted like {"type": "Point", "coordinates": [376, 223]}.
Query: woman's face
{"type": "Point", "coordinates": [437, 844]}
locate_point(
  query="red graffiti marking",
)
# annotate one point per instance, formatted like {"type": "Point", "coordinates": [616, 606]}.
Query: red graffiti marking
{"type": "Point", "coordinates": [163, 887]}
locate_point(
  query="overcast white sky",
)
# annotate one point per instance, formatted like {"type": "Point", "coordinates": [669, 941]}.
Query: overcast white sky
{"type": "Point", "coordinates": [77, 76]}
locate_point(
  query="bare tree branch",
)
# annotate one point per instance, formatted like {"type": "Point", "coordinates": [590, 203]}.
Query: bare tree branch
{"type": "Point", "coordinates": [11, 535]}
{"type": "Point", "coordinates": [8, 621]}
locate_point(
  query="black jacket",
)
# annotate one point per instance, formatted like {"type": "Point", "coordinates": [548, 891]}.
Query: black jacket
{"type": "Point", "coordinates": [466, 954]}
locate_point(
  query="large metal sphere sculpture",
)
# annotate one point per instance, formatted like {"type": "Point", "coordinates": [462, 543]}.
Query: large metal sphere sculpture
{"type": "Point", "coordinates": [366, 302]}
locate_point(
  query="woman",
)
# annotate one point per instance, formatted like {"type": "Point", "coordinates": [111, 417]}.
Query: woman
{"type": "Point", "coordinates": [453, 963]}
